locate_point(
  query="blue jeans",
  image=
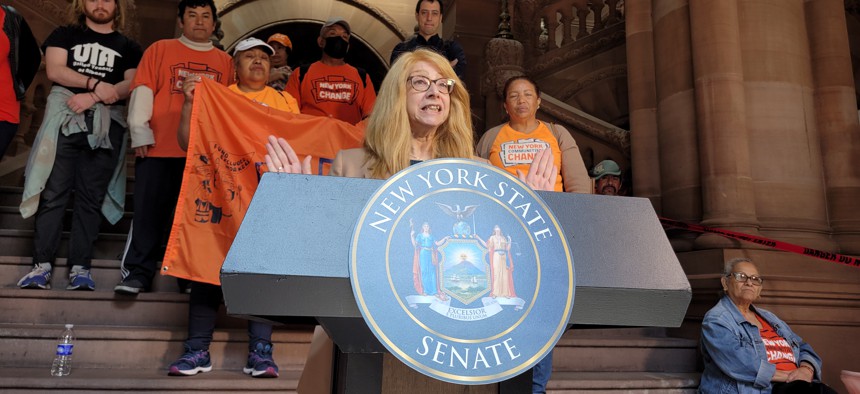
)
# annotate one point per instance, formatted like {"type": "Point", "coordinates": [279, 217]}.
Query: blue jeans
{"type": "Point", "coordinates": [540, 374]}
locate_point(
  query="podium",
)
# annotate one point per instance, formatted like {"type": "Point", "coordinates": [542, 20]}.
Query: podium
{"type": "Point", "coordinates": [293, 249]}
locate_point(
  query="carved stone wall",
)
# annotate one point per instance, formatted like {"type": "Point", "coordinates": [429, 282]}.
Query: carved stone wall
{"type": "Point", "coordinates": [750, 108]}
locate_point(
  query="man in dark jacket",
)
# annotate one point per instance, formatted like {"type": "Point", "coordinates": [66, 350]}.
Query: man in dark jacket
{"type": "Point", "coordinates": [428, 14]}
{"type": "Point", "coordinates": [19, 60]}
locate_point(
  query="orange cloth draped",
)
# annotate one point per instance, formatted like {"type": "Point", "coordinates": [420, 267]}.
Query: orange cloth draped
{"type": "Point", "coordinates": [226, 157]}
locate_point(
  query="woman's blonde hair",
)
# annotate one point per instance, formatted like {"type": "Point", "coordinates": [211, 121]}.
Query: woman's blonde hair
{"type": "Point", "coordinates": [388, 138]}
{"type": "Point", "coordinates": [77, 15]}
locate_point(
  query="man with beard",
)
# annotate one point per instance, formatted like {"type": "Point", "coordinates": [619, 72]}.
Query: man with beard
{"type": "Point", "coordinates": [428, 14]}
{"type": "Point", "coordinates": [154, 112]}
{"type": "Point", "coordinates": [330, 87]}
{"type": "Point", "coordinates": [80, 144]}
{"type": "Point", "coordinates": [607, 178]}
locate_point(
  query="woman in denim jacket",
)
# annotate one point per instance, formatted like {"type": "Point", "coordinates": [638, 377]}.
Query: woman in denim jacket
{"type": "Point", "coordinates": [748, 349]}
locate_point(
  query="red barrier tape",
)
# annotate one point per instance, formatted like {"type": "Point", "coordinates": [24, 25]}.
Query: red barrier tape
{"type": "Point", "coordinates": [779, 245]}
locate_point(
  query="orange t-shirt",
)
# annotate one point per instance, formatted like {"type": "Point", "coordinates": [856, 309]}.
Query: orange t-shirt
{"type": "Point", "coordinates": [778, 350]}
{"type": "Point", "coordinates": [270, 97]}
{"type": "Point", "coordinates": [164, 66]}
{"type": "Point", "coordinates": [514, 150]}
{"type": "Point", "coordinates": [333, 91]}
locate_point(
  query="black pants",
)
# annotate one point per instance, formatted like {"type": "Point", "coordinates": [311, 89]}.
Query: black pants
{"type": "Point", "coordinates": [202, 313]}
{"type": "Point", "coordinates": [801, 387]}
{"type": "Point", "coordinates": [88, 171]}
{"type": "Point", "coordinates": [156, 189]}
{"type": "Point", "coordinates": [7, 133]}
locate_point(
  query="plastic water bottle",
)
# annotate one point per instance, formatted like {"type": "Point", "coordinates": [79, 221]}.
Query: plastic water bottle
{"type": "Point", "coordinates": [63, 361]}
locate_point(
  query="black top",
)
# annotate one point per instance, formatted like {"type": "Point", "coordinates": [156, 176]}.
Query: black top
{"type": "Point", "coordinates": [24, 55]}
{"type": "Point", "coordinates": [450, 49]}
{"type": "Point", "coordinates": [105, 57]}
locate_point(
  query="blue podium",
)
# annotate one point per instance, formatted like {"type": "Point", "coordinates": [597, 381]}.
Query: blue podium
{"type": "Point", "coordinates": [293, 248]}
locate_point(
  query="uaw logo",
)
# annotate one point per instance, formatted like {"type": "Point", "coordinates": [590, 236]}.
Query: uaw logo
{"type": "Point", "coordinates": [462, 271]}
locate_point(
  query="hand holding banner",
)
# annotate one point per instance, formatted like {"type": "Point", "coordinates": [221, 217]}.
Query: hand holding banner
{"type": "Point", "coordinates": [225, 160]}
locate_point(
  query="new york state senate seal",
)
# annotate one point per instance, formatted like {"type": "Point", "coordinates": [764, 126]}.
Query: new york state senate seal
{"type": "Point", "coordinates": [462, 271]}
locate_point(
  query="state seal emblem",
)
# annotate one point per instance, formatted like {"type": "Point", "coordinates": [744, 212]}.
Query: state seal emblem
{"type": "Point", "coordinates": [461, 271]}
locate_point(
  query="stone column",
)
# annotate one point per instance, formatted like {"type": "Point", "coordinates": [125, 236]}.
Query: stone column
{"type": "Point", "coordinates": [727, 187]}
{"type": "Point", "coordinates": [784, 151]}
{"type": "Point", "coordinates": [645, 148]}
{"type": "Point", "coordinates": [836, 117]}
{"type": "Point", "coordinates": [504, 60]}
{"type": "Point", "coordinates": [676, 115]}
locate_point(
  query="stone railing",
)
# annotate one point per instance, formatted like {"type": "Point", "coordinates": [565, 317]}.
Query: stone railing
{"type": "Point", "coordinates": [544, 25]}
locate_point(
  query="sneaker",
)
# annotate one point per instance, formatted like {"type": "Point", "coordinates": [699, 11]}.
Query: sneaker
{"type": "Point", "coordinates": [191, 363]}
{"type": "Point", "coordinates": [129, 287]}
{"type": "Point", "coordinates": [38, 278]}
{"type": "Point", "coordinates": [260, 363]}
{"type": "Point", "coordinates": [80, 279]}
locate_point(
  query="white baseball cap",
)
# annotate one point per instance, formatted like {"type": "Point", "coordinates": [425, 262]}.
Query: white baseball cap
{"type": "Point", "coordinates": [250, 43]}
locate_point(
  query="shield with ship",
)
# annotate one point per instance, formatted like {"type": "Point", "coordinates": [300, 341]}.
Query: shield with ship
{"type": "Point", "coordinates": [465, 273]}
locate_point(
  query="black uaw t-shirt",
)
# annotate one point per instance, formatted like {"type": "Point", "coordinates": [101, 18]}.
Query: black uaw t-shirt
{"type": "Point", "coordinates": [105, 57]}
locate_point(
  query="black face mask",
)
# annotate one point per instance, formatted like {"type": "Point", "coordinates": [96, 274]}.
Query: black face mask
{"type": "Point", "coordinates": [336, 47]}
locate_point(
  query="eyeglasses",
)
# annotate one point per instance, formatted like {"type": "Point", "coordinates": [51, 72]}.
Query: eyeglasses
{"type": "Point", "coordinates": [742, 278]}
{"type": "Point", "coordinates": [422, 84]}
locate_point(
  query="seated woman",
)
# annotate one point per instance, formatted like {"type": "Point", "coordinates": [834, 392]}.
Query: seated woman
{"type": "Point", "coordinates": [750, 350]}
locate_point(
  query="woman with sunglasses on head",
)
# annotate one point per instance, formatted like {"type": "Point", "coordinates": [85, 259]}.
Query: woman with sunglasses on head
{"type": "Point", "coordinates": [748, 349]}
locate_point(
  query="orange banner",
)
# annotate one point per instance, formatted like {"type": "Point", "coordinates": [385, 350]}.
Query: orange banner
{"type": "Point", "coordinates": [226, 157]}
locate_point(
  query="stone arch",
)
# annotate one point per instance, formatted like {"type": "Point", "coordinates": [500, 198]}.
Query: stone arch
{"type": "Point", "coordinates": [370, 25]}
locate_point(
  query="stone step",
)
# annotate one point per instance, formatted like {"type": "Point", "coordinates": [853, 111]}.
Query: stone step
{"type": "Point", "coordinates": [623, 382]}
{"type": "Point", "coordinates": [106, 274]}
{"type": "Point", "coordinates": [11, 219]}
{"type": "Point", "coordinates": [20, 243]}
{"type": "Point", "coordinates": [10, 196]}
{"type": "Point", "coordinates": [89, 380]}
{"type": "Point", "coordinates": [113, 347]}
{"type": "Point", "coordinates": [60, 306]}
{"type": "Point", "coordinates": [622, 350]}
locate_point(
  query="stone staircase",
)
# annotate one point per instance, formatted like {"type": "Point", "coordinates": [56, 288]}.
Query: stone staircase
{"type": "Point", "coordinates": [125, 343]}
{"type": "Point", "coordinates": [628, 360]}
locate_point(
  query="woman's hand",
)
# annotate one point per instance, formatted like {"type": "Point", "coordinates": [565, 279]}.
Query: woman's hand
{"type": "Point", "coordinates": [542, 172]}
{"type": "Point", "coordinates": [801, 373]}
{"type": "Point", "coordinates": [282, 158]}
